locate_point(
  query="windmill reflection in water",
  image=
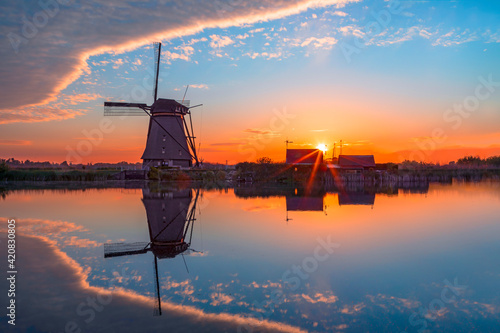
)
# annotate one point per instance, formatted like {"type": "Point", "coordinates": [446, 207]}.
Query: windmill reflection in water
{"type": "Point", "coordinates": [171, 216]}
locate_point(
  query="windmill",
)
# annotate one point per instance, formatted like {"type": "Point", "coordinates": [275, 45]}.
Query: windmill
{"type": "Point", "coordinates": [170, 220]}
{"type": "Point", "coordinates": [170, 141]}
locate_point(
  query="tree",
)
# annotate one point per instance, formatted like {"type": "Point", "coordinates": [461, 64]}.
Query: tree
{"type": "Point", "coordinates": [265, 160]}
{"type": "Point", "coordinates": [3, 167]}
{"type": "Point", "coordinates": [470, 160]}
{"type": "Point", "coordinates": [154, 173]}
{"type": "Point", "coordinates": [493, 160]}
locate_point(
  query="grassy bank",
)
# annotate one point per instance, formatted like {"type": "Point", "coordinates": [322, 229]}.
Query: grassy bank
{"type": "Point", "coordinates": [249, 173]}
{"type": "Point", "coordinates": [210, 178]}
{"type": "Point", "coordinates": [57, 175]}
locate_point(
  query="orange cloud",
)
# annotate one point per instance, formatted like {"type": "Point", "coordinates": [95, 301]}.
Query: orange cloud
{"type": "Point", "coordinates": [261, 207]}
{"type": "Point", "coordinates": [257, 131]}
{"type": "Point", "coordinates": [64, 107]}
{"type": "Point", "coordinates": [320, 298]}
{"type": "Point", "coordinates": [34, 114]}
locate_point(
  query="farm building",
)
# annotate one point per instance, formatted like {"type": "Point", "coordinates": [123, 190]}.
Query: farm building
{"type": "Point", "coordinates": [356, 162]}
{"type": "Point", "coordinates": [296, 203]}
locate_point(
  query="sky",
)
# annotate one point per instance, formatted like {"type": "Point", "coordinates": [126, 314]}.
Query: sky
{"type": "Point", "coordinates": [414, 80]}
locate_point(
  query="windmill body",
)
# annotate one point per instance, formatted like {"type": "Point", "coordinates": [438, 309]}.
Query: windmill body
{"type": "Point", "coordinates": [170, 217]}
{"type": "Point", "coordinates": [168, 220]}
{"type": "Point", "coordinates": [167, 142]}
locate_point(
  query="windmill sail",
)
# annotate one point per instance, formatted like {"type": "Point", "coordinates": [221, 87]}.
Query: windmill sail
{"type": "Point", "coordinates": [132, 109]}
{"type": "Point", "coordinates": [124, 249]}
{"type": "Point", "coordinates": [124, 109]}
{"type": "Point", "coordinates": [157, 54]}
{"type": "Point", "coordinates": [157, 308]}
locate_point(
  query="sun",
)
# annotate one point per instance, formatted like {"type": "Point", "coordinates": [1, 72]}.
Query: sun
{"type": "Point", "coordinates": [321, 147]}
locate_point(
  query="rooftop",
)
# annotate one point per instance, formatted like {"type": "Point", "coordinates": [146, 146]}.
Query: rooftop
{"type": "Point", "coordinates": [356, 161]}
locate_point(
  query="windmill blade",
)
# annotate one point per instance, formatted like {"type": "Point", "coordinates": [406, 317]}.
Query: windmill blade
{"type": "Point", "coordinates": [185, 92]}
{"type": "Point", "coordinates": [192, 217]}
{"type": "Point", "coordinates": [185, 264]}
{"type": "Point", "coordinates": [124, 249]}
{"type": "Point", "coordinates": [157, 48]}
{"type": "Point", "coordinates": [124, 109]}
{"type": "Point", "coordinates": [190, 250]}
{"type": "Point", "coordinates": [185, 102]}
{"type": "Point", "coordinates": [157, 308]}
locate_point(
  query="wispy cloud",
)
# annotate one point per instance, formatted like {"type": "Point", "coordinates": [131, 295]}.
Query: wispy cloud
{"type": "Point", "coordinates": [260, 207]}
{"type": "Point", "coordinates": [323, 42]}
{"type": "Point", "coordinates": [456, 37]}
{"type": "Point", "coordinates": [266, 55]}
{"type": "Point", "coordinates": [199, 86]}
{"type": "Point", "coordinates": [256, 30]}
{"type": "Point", "coordinates": [64, 107]}
{"type": "Point", "coordinates": [5, 142]}
{"type": "Point", "coordinates": [220, 41]}
{"type": "Point", "coordinates": [257, 131]}
{"type": "Point", "coordinates": [37, 114]}
{"type": "Point", "coordinates": [219, 298]}
{"type": "Point", "coordinates": [79, 98]}
{"type": "Point", "coordinates": [339, 13]}
{"type": "Point", "coordinates": [224, 144]}
{"type": "Point", "coordinates": [320, 298]}
{"type": "Point", "coordinates": [117, 63]}
{"type": "Point", "coordinates": [184, 52]}
{"type": "Point", "coordinates": [244, 36]}
{"type": "Point", "coordinates": [436, 37]}
{"type": "Point", "coordinates": [197, 40]}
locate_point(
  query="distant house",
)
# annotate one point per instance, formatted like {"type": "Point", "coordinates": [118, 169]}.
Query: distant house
{"type": "Point", "coordinates": [304, 156]}
{"type": "Point", "coordinates": [356, 198]}
{"type": "Point", "coordinates": [356, 162]}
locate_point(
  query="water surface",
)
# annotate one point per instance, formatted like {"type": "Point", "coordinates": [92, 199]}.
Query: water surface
{"type": "Point", "coordinates": [249, 259]}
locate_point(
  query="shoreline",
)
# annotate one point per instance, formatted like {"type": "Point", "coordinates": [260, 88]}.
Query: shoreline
{"type": "Point", "coordinates": [366, 185]}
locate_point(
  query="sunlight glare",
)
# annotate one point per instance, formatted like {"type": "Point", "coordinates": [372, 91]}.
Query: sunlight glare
{"type": "Point", "coordinates": [321, 147]}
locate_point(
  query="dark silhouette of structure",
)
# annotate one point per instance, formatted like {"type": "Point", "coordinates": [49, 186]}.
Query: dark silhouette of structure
{"type": "Point", "coordinates": [304, 203]}
{"type": "Point", "coordinates": [356, 198]}
{"type": "Point", "coordinates": [356, 162]}
{"type": "Point", "coordinates": [170, 141]}
{"type": "Point", "coordinates": [170, 216]}
{"type": "Point", "coordinates": [304, 156]}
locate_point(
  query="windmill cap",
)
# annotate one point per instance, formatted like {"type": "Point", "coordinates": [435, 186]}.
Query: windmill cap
{"type": "Point", "coordinates": [162, 105]}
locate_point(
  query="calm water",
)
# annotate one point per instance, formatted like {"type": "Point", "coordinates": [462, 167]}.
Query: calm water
{"type": "Point", "coordinates": [248, 260]}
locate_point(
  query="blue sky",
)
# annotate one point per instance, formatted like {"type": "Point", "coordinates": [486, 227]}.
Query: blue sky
{"type": "Point", "coordinates": [377, 74]}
